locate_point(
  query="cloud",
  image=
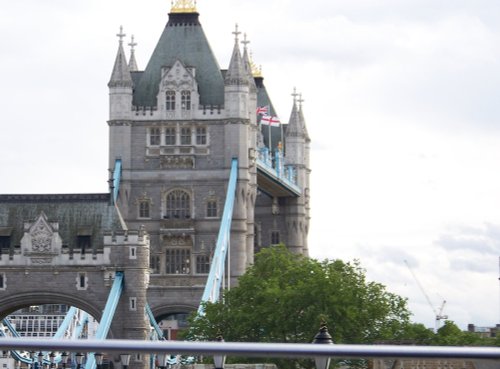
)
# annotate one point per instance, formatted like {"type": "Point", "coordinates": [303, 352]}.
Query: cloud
{"type": "Point", "coordinates": [484, 239]}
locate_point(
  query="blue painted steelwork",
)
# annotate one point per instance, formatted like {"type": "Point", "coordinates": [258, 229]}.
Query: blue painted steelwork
{"type": "Point", "coordinates": [107, 315]}
{"type": "Point", "coordinates": [284, 175]}
{"type": "Point", "coordinates": [79, 328]}
{"type": "Point", "coordinates": [214, 280]}
{"type": "Point", "coordinates": [152, 320]}
{"type": "Point", "coordinates": [117, 173]}
{"type": "Point", "coordinates": [16, 354]}
{"type": "Point", "coordinates": [59, 334]}
{"type": "Point", "coordinates": [66, 322]}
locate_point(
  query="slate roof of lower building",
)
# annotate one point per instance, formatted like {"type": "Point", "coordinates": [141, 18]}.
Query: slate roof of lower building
{"type": "Point", "coordinates": [77, 215]}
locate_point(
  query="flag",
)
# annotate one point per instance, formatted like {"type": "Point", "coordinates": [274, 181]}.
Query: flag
{"type": "Point", "coordinates": [262, 110]}
{"type": "Point", "coordinates": [270, 121]}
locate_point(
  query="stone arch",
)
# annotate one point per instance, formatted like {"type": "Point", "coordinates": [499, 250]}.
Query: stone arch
{"type": "Point", "coordinates": [177, 203]}
{"type": "Point", "coordinates": [172, 319]}
{"type": "Point", "coordinates": [15, 302]}
{"type": "Point", "coordinates": [165, 310]}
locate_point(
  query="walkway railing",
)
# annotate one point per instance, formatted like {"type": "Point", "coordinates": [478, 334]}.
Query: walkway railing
{"type": "Point", "coordinates": [276, 169]}
{"type": "Point", "coordinates": [260, 350]}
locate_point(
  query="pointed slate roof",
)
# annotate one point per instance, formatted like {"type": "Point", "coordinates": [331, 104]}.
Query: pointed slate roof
{"type": "Point", "coordinates": [183, 39]}
{"type": "Point", "coordinates": [120, 77]}
{"type": "Point", "coordinates": [247, 63]}
{"type": "Point", "coordinates": [294, 124]}
{"type": "Point", "coordinates": [236, 74]}
{"type": "Point", "coordinates": [132, 64]}
{"type": "Point", "coordinates": [303, 121]}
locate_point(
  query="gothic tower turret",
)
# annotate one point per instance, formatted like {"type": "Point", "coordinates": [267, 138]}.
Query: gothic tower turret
{"type": "Point", "coordinates": [297, 156]}
{"type": "Point", "coordinates": [120, 86]}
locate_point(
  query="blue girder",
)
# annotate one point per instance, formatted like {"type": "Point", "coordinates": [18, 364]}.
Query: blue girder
{"type": "Point", "coordinates": [107, 315]}
{"type": "Point", "coordinates": [215, 276]}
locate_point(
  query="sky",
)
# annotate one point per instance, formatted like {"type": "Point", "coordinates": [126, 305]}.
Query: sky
{"type": "Point", "coordinates": [401, 101]}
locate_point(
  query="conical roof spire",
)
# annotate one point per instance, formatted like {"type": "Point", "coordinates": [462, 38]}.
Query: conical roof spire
{"type": "Point", "coordinates": [132, 64]}
{"type": "Point", "coordinates": [294, 124]}
{"type": "Point", "coordinates": [247, 63]}
{"type": "Point", "coordinates": [120, 77]}
{"type": "Point", "coordinates": [301, 118]}
{"type": "Point", "coordinates": [236, 74]}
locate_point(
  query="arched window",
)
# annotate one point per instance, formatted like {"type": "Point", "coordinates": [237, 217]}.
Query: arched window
{"type": "Point", "coordinates": [170, 100]}
{"type": "Point", "coordinates": [178, 205]}
{"type": "Point", "coordinates": [186, 100]}
{"type": "Point", "coordinates": [144, 209]}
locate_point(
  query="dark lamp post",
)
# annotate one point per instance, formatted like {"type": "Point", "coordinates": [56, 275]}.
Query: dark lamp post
{"type": "Point", "coordinates": [125, 359]}
{"type": "Point", "coordinates": [64, 359]}
{"type": "Point", "coordinates": [79, 360]}
{"type": "Point", "coordinates": [52, 358]}
{"type": "Point", "coordinates": [219, 359]}
{"type": "Point", "coordinates": [322, 337]}
{"type": "Point", "coordinates": [98, 359]}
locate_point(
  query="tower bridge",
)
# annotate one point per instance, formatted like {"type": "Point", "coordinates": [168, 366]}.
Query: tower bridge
{"type": "Point", "coordinates": [198, 184]}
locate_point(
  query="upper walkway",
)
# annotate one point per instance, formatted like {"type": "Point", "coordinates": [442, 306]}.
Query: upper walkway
{"type": "Point", "coordinates": [274, 177]}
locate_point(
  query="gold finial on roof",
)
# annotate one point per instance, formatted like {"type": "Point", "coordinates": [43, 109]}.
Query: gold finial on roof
{"type": "Point", "coordinates": [183, 6]}
{"type": "Point", "coordinates": [256, 70]}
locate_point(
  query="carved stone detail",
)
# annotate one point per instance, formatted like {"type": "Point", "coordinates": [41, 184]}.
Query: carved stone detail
{"type": "Point", "coordinates": [177, 162]}
{"type": "Point", "coordinates": [41, 241]}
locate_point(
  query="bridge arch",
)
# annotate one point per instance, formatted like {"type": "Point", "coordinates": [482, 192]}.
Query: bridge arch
{"type": "Point", "coordinates": [18, 301]}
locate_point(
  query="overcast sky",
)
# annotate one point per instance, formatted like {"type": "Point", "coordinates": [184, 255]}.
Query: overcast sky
{"type": "Point", "coordinates": [401, 101]}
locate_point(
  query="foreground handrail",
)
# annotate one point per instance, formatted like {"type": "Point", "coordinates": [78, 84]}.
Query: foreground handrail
{"type": "Point", "coordinates": [254, 349]}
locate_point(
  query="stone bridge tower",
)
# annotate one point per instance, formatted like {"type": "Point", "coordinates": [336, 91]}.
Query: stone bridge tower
{"type": "Point", "coordinates": [175, 127]}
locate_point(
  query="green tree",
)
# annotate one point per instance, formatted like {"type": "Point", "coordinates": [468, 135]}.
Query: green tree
{"type": "Point", "coordinates": [283, 297]}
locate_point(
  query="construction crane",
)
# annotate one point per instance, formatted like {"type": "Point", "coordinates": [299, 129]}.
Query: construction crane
{"type": "Point", "coordinates": [437, 313]}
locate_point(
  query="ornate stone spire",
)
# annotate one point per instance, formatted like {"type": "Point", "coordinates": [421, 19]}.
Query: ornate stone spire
{"type": "Point", "coordinates": [132, 64]}
{"type": "Point", "coordinates": [294, 124]}
{"type": "Point", "coordinates": [236, 74]}
{"type": "Point", "coordinates": [302, 119]}
{"type": "Point", "coordinates": [120, 77]}
{"type": "Point", "coordinates": [247, 63]}
{"type": "Point", "coordinates": [184, 6]}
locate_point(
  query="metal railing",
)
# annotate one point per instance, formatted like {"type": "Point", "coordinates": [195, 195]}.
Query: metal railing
{"type": "Point", "coordinates": [241, 349]}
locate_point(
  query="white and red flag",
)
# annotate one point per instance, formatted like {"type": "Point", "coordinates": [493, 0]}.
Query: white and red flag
{"type": "Point", "coordinates": [262, 110]}
{"type": "Point", "coordinates": [270, 121]}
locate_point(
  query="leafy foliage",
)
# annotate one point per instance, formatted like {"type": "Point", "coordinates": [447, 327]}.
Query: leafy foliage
{"type": "Point", "coordinates": [284, 297]}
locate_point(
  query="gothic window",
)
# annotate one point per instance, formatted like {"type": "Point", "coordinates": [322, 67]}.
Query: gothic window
{"type": "Point", "coordinates": [275, 237]}
{"type": "Point", "coordinates": [170, 100]}
{"type": "Point", "coordinates": [170, 136]}
{"type": "Point", "coordinates": [186, 136]}
{"type": "Point", "coordinates": [186, 100]}
{"type": "Point", "coordinates": [154, 136]}
{"type": "Point", "coordinates": [178, 205]}
{"type": "Point", "coordinates": [212, 208]}
{"type": "Point", "coordinates": [177, 261]}
{"type": "Point", "coordinates": [201, 136]}
{"type": "Point", "coordinates": [144, 209]}
{"type": "Point", "coordinates": [202, 264]}
{"type": "Point", "coordinates": [4, 244]}
{"type": "Point", "coordinates": [83, 243]}
{"type": "Point", "coordinates": [81, 281]}
{"type": "Point", "coordinates": [154, 264]}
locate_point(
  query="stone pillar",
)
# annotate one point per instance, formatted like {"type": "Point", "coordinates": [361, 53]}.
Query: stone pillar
{"type": "Point", "coordinates": [130, 251]}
